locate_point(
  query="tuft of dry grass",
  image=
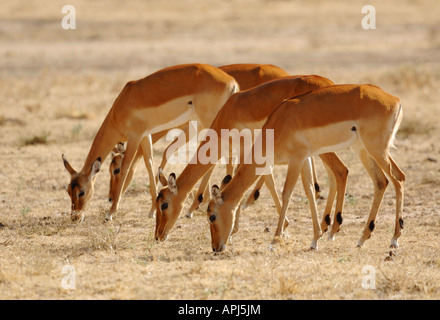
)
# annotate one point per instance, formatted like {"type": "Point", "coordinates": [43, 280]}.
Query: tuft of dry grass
{"type": "Point", "coordinates": [42, 138]}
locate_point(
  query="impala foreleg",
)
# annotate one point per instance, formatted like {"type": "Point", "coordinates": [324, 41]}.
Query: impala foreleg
{"type": "Point", "coordinates": [132, 170]}
{"type": "Point", "coordinates": [147, 152]}
{"type": "Point", "coordinates": [183, 134]}
{"type": "Point", "coordinates": [293, 173]}
{"type": "Point", "coordinates": [270, 183]}
{"type": "Point", "coordinates": [132, 146]}
{"type": "Point", "coordinates": [309, 188]}
{"type": "Point", "coordinates": [202, 193]}
{"type": "Point", "coordinates": [254, 195]}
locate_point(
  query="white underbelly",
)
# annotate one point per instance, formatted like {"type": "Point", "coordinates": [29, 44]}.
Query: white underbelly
{"type": "Point", "coordinates": [331, 138]}
{"type": "Point", "coordinates": [179, 120]}
{"type": "Point", "coordinates": [170, 115]}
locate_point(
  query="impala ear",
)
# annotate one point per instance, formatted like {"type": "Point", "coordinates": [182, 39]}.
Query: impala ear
{"type": "Point", "coordinates": [96, 166]}
{"type": "Point", "coordinates": [120, 147]}
{"type": "Point", "coordinates": [68, 166]}
{"type": "Point", "coordinates": [161, 177]}
{"type": "Point", "coordinates": [217, 195]}
{"type": "Point", "coordinates": [225, 181]}
{"type": "Point", "coordinates": [172, 184]}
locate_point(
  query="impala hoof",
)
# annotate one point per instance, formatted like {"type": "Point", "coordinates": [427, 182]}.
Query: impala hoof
{"type": "Point", "coordinates": [314, 245]}
{"type": "Point", "coordinates": [394, 243]}
{"type": "Point", "coordinates": [331, 237]}
{"type": "Point", "coordinates": [77, 217]}
{"type": "Point", "coordinates": [277, 240]}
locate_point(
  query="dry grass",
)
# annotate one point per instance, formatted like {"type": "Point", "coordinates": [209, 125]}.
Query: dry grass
{"type": "Point", "coordinates": [64, 82]}
{"type": "Point", "coordinates": [42, 138]}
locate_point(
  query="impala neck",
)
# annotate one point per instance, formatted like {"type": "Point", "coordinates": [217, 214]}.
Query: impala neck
{"type": "Point", "coordinates": [104, 142]}
{"type": "Point", "coordinates": [189, 177]}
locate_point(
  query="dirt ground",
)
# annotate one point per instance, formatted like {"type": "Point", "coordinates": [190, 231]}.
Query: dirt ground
{"type": "Point", "coordinates": [56, 87]}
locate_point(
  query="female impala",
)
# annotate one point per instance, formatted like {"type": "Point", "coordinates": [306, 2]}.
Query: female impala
{"type": "Point", "coordinates": [163, 100]}
{"type": "Point", "coordinates": [244, 110]}
{"type": "Point", "coordinates": [325, 120]}
{"type": "Point", "coordinates": [246, 75]}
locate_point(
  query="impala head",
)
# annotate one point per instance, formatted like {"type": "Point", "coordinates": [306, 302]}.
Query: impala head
{"type": "Point", "coordinates": [115, 168]}
{"type": "Point", "coordinates": [80, 188]}
{"type": "Point", "coordinates": [168, 206]}
{"type": "Point", "coordinates": [221, 217]}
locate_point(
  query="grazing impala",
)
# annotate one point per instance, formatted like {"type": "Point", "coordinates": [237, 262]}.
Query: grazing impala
{"type": "Point", "coordinates": [246, 75]}
{"type": "Point", "coordinates": [363, 117]}
{"type": "Point", "coordinates": [244, 110]}
{"type": "Point", "coordinates": [163, 100]}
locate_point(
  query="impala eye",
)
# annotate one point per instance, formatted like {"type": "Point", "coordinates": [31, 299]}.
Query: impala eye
{"type": "Point", "coordinates": [212, 218]}
{"type": "Point", "coordinates": [81, 194]}
{"type": "Point", "coordinates": [116, 171]}
{"type": "Point", "coordinates": [164, 206]}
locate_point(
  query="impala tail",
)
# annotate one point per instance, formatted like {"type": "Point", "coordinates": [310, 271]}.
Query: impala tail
{"type": "Point", "coordinates": [396, 125]}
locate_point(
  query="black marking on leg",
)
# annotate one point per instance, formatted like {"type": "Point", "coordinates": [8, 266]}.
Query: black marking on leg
{"type": "Point", "coordinates": [226, 179]}
{"type": "Point", "coordinates": [339, 218]}
{"type": "Point", "coordinates": [353, 129]}
{"type": "Point", "coordinates": [327, 219]}
{"type": "Point", "coordinates": [317, 188]}
{"type": "Point", "coordinates": [401, 223]}
{"type": "Point", "coordinates": [371, 225]}
{"type": "Point", "coordinates": [256, 194]}
{"type": "Point", "coordinates": [200, 198]}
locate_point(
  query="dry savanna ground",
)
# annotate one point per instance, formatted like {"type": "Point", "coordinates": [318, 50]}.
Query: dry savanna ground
{"type": "Point", "coordinates": [56, 86]}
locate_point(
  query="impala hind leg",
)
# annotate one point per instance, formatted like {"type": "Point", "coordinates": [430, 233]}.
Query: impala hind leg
{"type": "Point", "coordinates": [398, 182]}
{"type": "Point", "coordinates": [132, 146]}
{"type": "Point", "coordinates": [380, 182]}
{"type": "Point", "coordinates": [315, 180]}
{"type": "Point", "coordinates": [397, 177]}
{"type": "Point", "coordinates": [147, 152]}
{"type": "Point", "coordinates": [338, 174]}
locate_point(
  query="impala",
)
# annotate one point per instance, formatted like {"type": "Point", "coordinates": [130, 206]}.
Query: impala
{"type": "Point", "coordinates": [247, 109]}
{"type": "Point", "coordinates": [363, 117]}
{"type": "Point", "coordinates": [165, 99]}
{"type": "Point", "coordinates": [246, 75]}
